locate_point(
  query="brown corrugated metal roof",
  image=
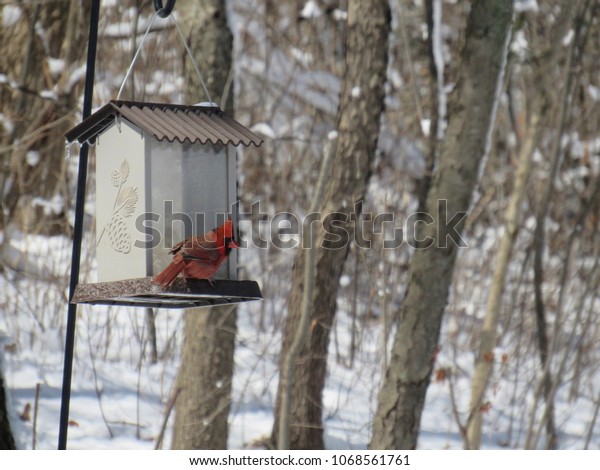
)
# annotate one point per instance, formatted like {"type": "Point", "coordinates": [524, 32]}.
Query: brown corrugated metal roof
{"type": "Point", "coordinates": [172, 122]}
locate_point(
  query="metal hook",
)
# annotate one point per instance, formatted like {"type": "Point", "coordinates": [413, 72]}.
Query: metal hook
{"type": "Point", "coordinates": [163, 12]}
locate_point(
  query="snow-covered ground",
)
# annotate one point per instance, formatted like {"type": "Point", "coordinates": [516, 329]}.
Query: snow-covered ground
{"type": "Point", "coordinates": [119, 397]}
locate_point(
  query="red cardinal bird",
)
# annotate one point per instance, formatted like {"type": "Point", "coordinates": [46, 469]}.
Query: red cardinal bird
{"type": "Point", "coordinates": [199, 257]}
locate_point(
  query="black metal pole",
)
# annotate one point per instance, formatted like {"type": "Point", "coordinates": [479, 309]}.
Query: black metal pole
{"type": "Point", "coordinates": [78, 230]}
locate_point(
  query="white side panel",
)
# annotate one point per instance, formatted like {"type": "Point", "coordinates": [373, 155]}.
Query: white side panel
{"type": "Point", "coordinates": [120, 200]}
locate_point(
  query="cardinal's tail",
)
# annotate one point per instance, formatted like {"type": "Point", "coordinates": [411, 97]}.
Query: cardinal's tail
{"type": "Point", "coordinates": [166, 277]}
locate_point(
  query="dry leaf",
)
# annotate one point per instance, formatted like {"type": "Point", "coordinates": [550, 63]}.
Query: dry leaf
{"type": "Point", "coordinates": [487, 406]}
{"type": "Point", "coordinates": [441, 374]}
{"type": "Point", "coordinates": [26, 414]}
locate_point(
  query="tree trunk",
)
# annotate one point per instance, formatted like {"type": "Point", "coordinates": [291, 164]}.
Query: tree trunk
{"type": "Point", "coordinates": [361, 104]}
{"type": "Point", "coordinates": [471, 117]}
{"type": "Point", "coordinates": [206, 371]}
{"type": "Point", "coordinates": [7, 442]}
{"type": "Point", "coordinates": [211, 43]}
{"type": "Point", "coordinates": [38, 104]}
{"type": "Point", "coordinates": [204, 379]}
{"type": "Point", "coordinates": [151, 325]}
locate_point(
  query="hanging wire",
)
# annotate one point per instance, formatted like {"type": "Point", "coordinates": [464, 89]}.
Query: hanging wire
{"type": "Point", "coordinates": [191, 57]}
{"type": "Point", "coordinates": [189, 52]}
{"type": "Point", "coordinates": [137, 53]}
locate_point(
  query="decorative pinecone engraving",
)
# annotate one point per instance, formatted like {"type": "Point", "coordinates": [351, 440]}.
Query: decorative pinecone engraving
{"type": "Point", "coordinates": [119, 237]}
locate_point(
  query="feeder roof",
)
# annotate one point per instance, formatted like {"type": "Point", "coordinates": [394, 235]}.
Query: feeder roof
{"type": "Point", "coordinates": [193, 124]}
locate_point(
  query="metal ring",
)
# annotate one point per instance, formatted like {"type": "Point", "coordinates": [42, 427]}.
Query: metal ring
{"type": "Point", "coordinates": [163, 12]}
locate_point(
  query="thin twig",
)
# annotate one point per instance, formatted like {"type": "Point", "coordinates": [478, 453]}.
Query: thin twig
{"type": "Point", "coordinates": [461, 427]}
{"type": "Point", "coordinates": [97, 387]}
{"type": "Point", "coordinates": [590, 432]}
{"type": "Point", "coordinates": [163, 427]}
{"type": "Point", "coordinates": [36, 405]}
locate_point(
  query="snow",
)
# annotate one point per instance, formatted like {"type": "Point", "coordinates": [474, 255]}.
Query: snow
{"type": "Point", "coordinates": [7, 124]}
{"type": "Point", "coordinates": [119, 397]}
{"type": "Point", "coordinates": [56, 66]}
{"type": "Point", "coordinates": [426, 127]}
{"type": "Point", "coordinates": [117, 393]}
{"type": "Point", "coordinates": [340, 15]}
{"type": "Point", "coordinates": [396, 78]}
{"type": "Point", "coordinates": [519, 44]}
{"type": "Point", "coordinates": [438, 56]}
{"type": "Point", "coordinates": [526, 5]}
{"type": "Point", "coordinates": [568, 38]}
{"type": "Point", "coordinates": [265, 129]}
{"type": "Point", "coordinates": [55, 205]}
{"type": "Point", "coordinates": [320, 88]}
{"type": "Point", "coordinates": [311, 10]}
{"type": "Point", "coordinates": [11, 14]}
{"type": "Point", "coordinates": [49, 95]}
{"type": "Point", "coordinates": [125, 29]}
{"type": "Point", "coordinates": [32, 157]}
{"type": "Point", "coordinates": [76, 76]}
{"type": "Point", "coordinates": [594, 92]}
{"type": "Point", "coordinates": [303, 58]}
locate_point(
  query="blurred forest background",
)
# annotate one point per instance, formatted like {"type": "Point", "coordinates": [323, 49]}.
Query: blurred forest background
{"type": "Point", "coordinates": [512, 358]}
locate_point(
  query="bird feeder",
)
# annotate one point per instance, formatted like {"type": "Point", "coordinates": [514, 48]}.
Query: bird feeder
{"type": "Point", "coordinates": [164, 173]}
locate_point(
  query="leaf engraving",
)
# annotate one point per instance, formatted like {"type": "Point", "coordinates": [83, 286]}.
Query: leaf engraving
{"type": "Point", "coordinates": [124, 170]}
{"type": "Point", "coordinates": [126, 201]}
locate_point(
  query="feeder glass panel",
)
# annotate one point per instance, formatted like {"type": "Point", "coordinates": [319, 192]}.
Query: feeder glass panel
{"type": "Point", "coordinates": [193, 188]}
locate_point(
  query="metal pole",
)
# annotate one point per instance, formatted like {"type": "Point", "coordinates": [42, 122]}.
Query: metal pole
{"type": "Point", "coordinates": [78, 230]}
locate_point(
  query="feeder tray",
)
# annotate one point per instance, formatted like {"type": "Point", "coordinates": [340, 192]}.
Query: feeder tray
{"type": "Point", "coordinates": [183, 293]}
